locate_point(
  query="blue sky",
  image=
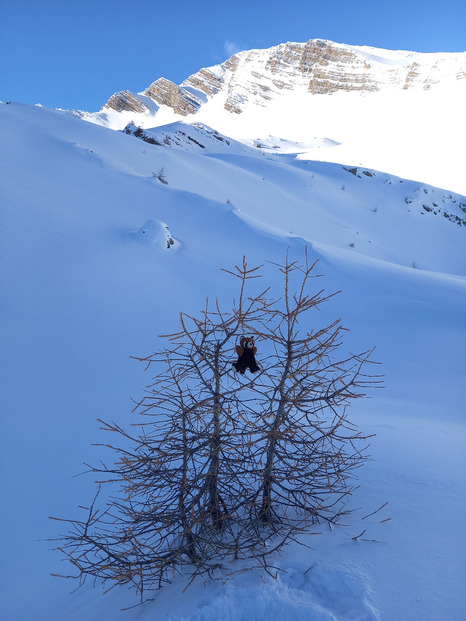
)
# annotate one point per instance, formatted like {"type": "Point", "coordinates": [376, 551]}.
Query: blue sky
{"type": "Point", "coordinates": [76, 54]}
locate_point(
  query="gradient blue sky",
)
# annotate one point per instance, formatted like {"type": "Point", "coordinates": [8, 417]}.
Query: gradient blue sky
{"type": "Point", "coordinates": [76, 54]}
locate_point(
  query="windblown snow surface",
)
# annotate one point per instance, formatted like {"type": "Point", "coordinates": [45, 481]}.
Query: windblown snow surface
{"type": "Point", "coordinates": [90, 278]}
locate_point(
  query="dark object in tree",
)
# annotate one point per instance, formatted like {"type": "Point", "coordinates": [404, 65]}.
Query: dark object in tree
{"type": "Point", "coordinates": [246, 351]}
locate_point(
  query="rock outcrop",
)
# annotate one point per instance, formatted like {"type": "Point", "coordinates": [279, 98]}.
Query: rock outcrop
{"type": "Point", "coordinates": [125, 101]}
{"type": "Point", "coordinates": [166, 93]}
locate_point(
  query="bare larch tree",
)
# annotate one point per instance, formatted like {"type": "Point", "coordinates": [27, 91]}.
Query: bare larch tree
{"type": "Point", "coordinates": [225, 466]}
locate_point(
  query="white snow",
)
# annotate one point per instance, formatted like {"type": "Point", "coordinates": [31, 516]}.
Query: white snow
{"type": "Point", "coordinates": [87, 281]}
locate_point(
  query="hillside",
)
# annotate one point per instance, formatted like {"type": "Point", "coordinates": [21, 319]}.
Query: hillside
{"type": "Point", "coordinates": [107, 235]}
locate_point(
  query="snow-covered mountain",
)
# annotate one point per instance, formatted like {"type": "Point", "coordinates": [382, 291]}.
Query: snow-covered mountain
{"type": "Point", "coordinates": [257, 77]}
{"type": "Point", "coordinates": [109, 229]}
{"type": "Point", "coordinates": [397, 111]}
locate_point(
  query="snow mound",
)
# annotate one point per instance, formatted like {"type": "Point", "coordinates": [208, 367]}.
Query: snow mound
{"type": "Point", "coordinates": [156, 232]}
{"type": "Point", "coordinates": [297, 592]}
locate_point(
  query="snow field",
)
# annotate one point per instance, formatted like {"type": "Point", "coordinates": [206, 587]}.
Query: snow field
{"type": "Point", "coordinates": [85, 288]}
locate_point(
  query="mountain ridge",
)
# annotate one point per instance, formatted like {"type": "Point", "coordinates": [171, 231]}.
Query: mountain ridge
{"type": "Point", "coordinates": [321, 66]}
{"type": "Point", "coordinates": [395, 111]}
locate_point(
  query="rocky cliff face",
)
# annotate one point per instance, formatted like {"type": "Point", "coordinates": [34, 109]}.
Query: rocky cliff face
{"type": "Point", "coordinates": [317, 67]}
{"type": "Point", "coordinates": [166, 93]}
{"type": "Point", "coordinates": [125, 100]}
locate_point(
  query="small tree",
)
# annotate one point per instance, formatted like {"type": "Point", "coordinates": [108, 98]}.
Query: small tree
{"type": "Point", "coordinates": [160, 175]}
{"type": "Point", "coordinates": [226, 466]}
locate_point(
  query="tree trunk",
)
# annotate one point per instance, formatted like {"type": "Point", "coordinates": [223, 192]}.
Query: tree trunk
{"type": "Point", "coordinates": [214, 500]}
{"type": "Point", "coordinates": [267, 485]}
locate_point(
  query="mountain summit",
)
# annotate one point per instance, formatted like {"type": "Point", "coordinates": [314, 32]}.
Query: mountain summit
{"type": "Point", "coordinates": [317, 67]}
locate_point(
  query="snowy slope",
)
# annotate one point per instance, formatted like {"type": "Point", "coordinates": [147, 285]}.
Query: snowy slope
{"type": "Point", "coordinates": [88, 279]}
{"type": "Point", "coordinates": [354, 208]}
